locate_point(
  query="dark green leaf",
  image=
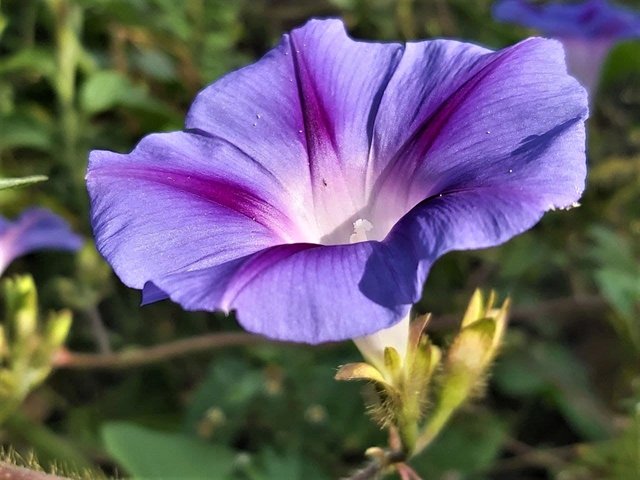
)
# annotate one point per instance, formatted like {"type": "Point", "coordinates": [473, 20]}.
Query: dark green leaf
{"type": "Point", "coordinates": [158, 455]}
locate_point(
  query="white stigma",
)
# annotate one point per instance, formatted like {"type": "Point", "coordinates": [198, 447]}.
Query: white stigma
{"type": "Point", "coordinates": [360, 229]}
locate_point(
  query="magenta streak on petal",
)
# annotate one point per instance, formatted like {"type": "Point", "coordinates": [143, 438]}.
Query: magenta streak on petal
{"type": "Point", "coordinates": [231, 195]}
{"type": "Point", "coordinates": [373, 117]}
{"type": "Point", "coordinates": [318, 130]}
{"type": "Point", "coordinates": [217, 257]}
{"type": "Point", "coordinates": [256, 163]}
{"type": "Point", "coordinates": [257, 265]}
{"type": "Point", "coordinates": [418, 145]}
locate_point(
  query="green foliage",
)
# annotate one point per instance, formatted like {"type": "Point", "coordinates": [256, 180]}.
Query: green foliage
{"type": "Point", "coordinates": [82, 74]}
{"type": "Point", "coordinates": [551, 372]}
{"type": "Point", "coordinates": [105, 90]}
{"type": "Point", "coordinates": [25, 130]}
{"type": "Point", "coordinates": [617, 274]}
{"type": "Point", "coordinates": [470, 444]}
{"type": "Point", "coordinates": [151, 454]}
{"type": "Point", "coordinates": [27, 349]}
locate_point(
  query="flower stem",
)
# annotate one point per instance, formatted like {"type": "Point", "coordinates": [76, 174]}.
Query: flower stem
{"type": "Point", "coordinates": [431, 430]}
{"type": "Point", "coordinates": [136, 357]}
{"type": "Point", "coordinates": [68, 19]}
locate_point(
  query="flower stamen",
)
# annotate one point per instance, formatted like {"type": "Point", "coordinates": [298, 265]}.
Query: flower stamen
{"type": "Point", "coordinates": [360, 229]}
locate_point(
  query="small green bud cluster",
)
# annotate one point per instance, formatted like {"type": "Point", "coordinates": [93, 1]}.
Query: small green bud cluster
{"type": "Point", "coordinates": [416, 395]}
{"type": "Point", "coordinates": [27, 348]}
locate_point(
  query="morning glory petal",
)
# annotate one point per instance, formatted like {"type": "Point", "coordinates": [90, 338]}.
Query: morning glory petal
{"type": "Point", "coordinates": [313, 99]}
{"type": "Point", "coordinates": [314, 189]}
{"type": "Point", "coordinates": [510, 117]}
{"type": "Point", "coordinates": [183, 201]}
{"type": "Point", "coordinates": [35, 229]}
{"type": "Point", "coordinates": [589, 19]}
{"type": "Point", "coordinates": [304, 292]}
{"type": "Point", "coordinates": [587, 30]}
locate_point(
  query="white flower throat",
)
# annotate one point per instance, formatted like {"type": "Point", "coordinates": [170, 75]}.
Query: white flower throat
{"type": "Point", "coordinates": [360, 229]}
{"type": "Point", "coordinates": [397, 336]}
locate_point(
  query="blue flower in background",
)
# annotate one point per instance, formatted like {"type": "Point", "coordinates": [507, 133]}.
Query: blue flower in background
{"type": "Point", "coordinates": [312, 191]}
{"type": "Point", "coordinates": [35, 229]}
{"type": "Point", "coordinates": [588, 30]}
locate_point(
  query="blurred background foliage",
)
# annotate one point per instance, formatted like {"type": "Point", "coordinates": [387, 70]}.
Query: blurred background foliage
{"type": "Point", "coordinates": [564, 399]}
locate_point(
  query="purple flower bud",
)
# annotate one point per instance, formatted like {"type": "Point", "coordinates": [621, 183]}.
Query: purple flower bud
{"type": "Point", "coordinates": [35, 229]}
{"type": "Point", "coordinates": [587, 30]}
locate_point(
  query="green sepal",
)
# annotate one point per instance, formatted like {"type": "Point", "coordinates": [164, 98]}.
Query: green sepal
{"type": "Point", "coordinates": [419, 369]}
{"type": "Point", "coordinates": [417, 332]}
{"type": "Point", "coordinates": [26, 349]}
{"type": "Point", "coordinates": [21, 302]}
{"type": "Point", "coordinates": [360, 371]}
{"type": "Point", "coordinates": [475, 309]}
{"type": "Point", "coordinates": [393, 366]}
{"type": "Point", "coordinates": [57, 329]}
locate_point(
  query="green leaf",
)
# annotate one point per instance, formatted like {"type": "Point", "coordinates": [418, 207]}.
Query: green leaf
{"type": "Point", "coordinates": [277, 466]}
{"type": "Point", "coordinates": [617, 276]}
{"type": "Point", "coordinates": [104, 90]}
{"type": "Point", "coordinates": [27, 129]}
{"type": "Point", "coordinates": [616, 458]}
{"type": "Point", "coordinates": [232, 388]}
{"type": "Point", "coordinates": [469, 444]}
{"type": "Point", "coordinates": [612, 250]}
{"type": "Point", "coordinates": [36, 60]}
{"type": "Point", "coordinates": [107, 89]}
{"type": "Point", "coordinates": [552, 371]}
{"type": "Point", "coordinates": [149, 454]}
{"type": "Point", "coordinates": [20, 182]}
{"type": "Point", "coordinates": [155, 64]}
{"type": "Point", "coordinates": [621, 289]}
{"type": "Point", "coordinates": [289, 465]}
{"type": "Point", "coordinates": [624, 61]}
{"type": "Point", "coordinates": [3, 24]}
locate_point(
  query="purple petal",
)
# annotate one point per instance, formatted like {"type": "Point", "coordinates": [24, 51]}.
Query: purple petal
{"type": "Point", "coordinates": [455, 221]}
{"type": "Point", "coordinates": [511, 117]}
{"type": "Point", "coordinates": [426, 148]}
{"type": "Point", "coordinates": [592, 19]}
{"type": "Point", "coordinates": [35, 229]}
{"type": "Point", "coordinates": [585, 59]}
{"type": "Point", "coordinates": [304, 292]}
{"type": "Point", "coordinates": [313, 99]}
{"type": "Point", "coordinates": [587, 30]}
{"type": "Point", "coordinates": [183, 201]}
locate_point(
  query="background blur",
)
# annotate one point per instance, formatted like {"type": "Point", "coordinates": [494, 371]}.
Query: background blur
{"type": "Point", "coordinates": [563, 401]}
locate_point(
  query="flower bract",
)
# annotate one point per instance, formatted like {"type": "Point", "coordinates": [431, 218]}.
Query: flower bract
{"type": "Point", "coordinates": [35, 229]}
{"type": "Point", "coordinates": [588, 30]}
{"type": "Point", "coordinates": [312, 191]}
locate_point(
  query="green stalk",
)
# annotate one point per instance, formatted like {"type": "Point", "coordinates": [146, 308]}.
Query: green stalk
{"type": "Point", "coordinates": [68, 18]}
{"type": "Point", "coordinates": [434, 426]}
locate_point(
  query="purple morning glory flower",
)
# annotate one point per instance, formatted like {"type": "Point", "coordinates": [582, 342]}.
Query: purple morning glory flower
{"type": "Point", "coordinates": [35, 229]}
{"type": "Point", "coordinates": [312, 191]}
{"type": "Point", "coordinates": [587, 30]}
